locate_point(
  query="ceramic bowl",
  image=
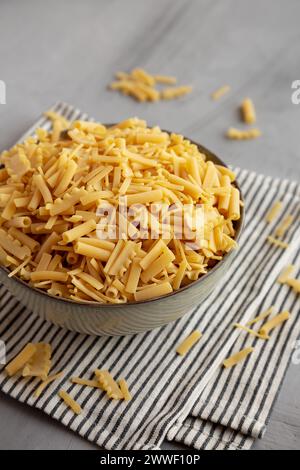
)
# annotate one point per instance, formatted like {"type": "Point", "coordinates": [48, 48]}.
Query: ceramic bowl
{"type": "Point", "coordinates": [122, 319]}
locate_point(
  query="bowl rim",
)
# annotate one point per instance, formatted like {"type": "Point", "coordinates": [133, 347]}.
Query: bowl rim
{"type": "Point", "coordinates": [96, 305]}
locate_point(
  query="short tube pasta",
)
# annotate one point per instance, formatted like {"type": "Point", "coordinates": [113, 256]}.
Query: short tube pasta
{"type": "Point", "coordinates": [110, 214]}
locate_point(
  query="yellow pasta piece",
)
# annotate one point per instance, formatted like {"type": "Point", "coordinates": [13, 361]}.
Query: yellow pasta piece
{"type": "Point", "coordinates": [216, 95]}
{"type": "Point", "coordinates": [124, 389]}
{"type": "Point", "coordinates": [175, 92]}
{"type": "Point", "coordinates": [237, 357]}
{"type": "Point", "coordinates": [79, 231]}
{"type": "Point", "coordinates": [261, 316]}
{"type": "Point", "coordinates": [286, 274]}
{"type": "Point", "coordinates": [87, 383]}
{"type": "Point", "coordinates": [248, 111]}
{"type": "Point", "coordinates": [276, 242]}
{"type": "Point", "coordinates": [284, 226]}
{"type": "Point", "coordinates": [109, 384]}
{"type": "Point", "coordinates": [49, 276]}
{"type": "Point", "coordinates": [188, 343]}
{"type": "Point", "coordinates": [134, 276]}
{"type": "Point", "coordinates": [251, 332]}
{"type": "Point", "coordinates": [238, 134]}
{"type": "Point", "coordinates": [153, 291]}
{"type": "Point", "coordinates": [234, 205]}
{"type": "Point", "coordinates": [46, 382]}
{"type": "Point", "coordinates": [271, 324]}
{"type": "Point", "coordinates": [295, 284]}
{"type": "Point", "coordinates": [40, 363]}
{"type": "Point", "coordinates": [21, 359]}
{"type": "Point", "coordinates": [70, 402]}
{"type": "Point", "coordinates": [274, 211]}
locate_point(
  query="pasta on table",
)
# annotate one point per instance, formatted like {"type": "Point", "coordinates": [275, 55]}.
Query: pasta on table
{"type": "Point", "coordinates": [92, 213]}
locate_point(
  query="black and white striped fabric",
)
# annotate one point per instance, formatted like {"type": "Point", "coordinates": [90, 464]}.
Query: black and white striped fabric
{"type": "Point", "coordinates": [189, 399]}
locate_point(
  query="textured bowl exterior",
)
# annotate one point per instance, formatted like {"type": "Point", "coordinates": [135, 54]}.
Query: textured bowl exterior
{"type": "Point", "coordinates": [107, 320]}
{"type": "Point", "coordinates": [122, 319]}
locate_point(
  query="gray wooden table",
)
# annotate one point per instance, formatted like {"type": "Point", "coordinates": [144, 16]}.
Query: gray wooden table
{"type": "Point", "coordinates": [70, 50]}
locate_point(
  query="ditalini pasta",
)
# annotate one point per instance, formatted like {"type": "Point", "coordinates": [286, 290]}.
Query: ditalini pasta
{"type": "Point", "coordinates": [141, 85]}
{"type": "Point", "coordinates": [111, 214]}
{"type": "Point", "coordinates": [237, 357]}
{"type": "Point", "coordinates": [271, 324]}
{"type": "Point", "coordinates": [238, 134]}
{"type": "Point", "coordinates": [261, 316]}
{"type": "Point", "coordinates": [188, 343]}
{"type": "Point", "coordinates": [70, 402]}
{"type": "Point", "coordinates": [286, 274]}
{"type": "Point", "coordinates": [276, 242]}
{"type": "Point", "coordinates": [46, 382]}
{"type": "Point", "coordinates": [124, 389]}
{"type": "Point", "coordinates": [223, 90]}
{"type": "Point", "coordinates": [248, 111]}
{"type": "Point", "coordinates": [109, 384]}
{"type": "Point", "coordinates": [40, 363]}
{"type": "Point", "coordinates": [274, 211]}
{"type": "Point", "coordinates": [21, 359]}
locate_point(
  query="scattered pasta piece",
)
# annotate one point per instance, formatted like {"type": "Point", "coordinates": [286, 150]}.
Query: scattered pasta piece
{"type": "Point", "coordinates": [86, 382]}
{"type": "Point", "coordinates": [46, 382]}
{"type": "Point", "coordinates": [261, 316]}
{"type": "Point", "coordinates": [271, 324]}
{"type": "Point", "coordinates": [251, 332]}
{"type": "Point", "coordinates": [141, 85]}
{"type": "Point", "coordinates": [237, 357]}
{"type": "Point", "coordinates": [238, 134]}
{"type": "Point", "coordinates": [175, 92]}
{"type": "Point", "coordinates": [40, 363]}
{"type": "Point", "coordinates": [286, 274]}
{"type": "Point", "coordinates": [216, 95]}
{"type": "Point", "coordinates": [274, 211]}
{"type": "Point", "coordinates": [284, 226]}
{"type": "Point", "coordinates": [21, 359]}
{"type": "Point", "coordinates": [276, 242]}
{"type": "Point", "coordinates": [295, 284]}
{"type": "Point", "coordinates": [109, 384]}
{"type": "Point", "coordinates": [248, 111]}
{"type": "Point", "coordinates": [188, 343]}
{"type": "Point", "coordinates": [69, 401]}
{"type": "Point", "coordinates": [124, 389]}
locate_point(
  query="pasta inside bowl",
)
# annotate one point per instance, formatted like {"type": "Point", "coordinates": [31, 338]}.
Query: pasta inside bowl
{"type": "Point", "coordinates": [114, 214]}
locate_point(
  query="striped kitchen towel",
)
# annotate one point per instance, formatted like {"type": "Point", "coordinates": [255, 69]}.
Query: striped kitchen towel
{"type": "Point", "coordinates": [190, 399]}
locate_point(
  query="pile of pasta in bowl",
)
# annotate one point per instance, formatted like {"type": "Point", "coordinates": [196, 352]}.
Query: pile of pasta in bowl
{"type": "Point", "coordinates": [90, 212]}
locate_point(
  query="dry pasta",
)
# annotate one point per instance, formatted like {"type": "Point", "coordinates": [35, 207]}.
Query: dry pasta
{"type": "Point", "coordinates": [248, 111]}
{"type": "Point", "coordinates": [21, 359]}
{"type": "Point", "coordinates": [217, 94]}
{"type": "Point", "coordinates": [70, 402]}
{"type": "Point", "coordinates": [276, 242]}
{"type": "Point", "coordinates": [262, 316]}
{"type": "Point", "coordinates": [39, 390]}
{"type": "Point", "coordinates": [274, 211]}
{"type": "Point", "coordinates": [271, 324]}
{"type": "Point", "coordinates": [141, 85]}
{"type": "Point", "coordinates": [285, 275]}
{"type": "Point", "coordinates": [238, 134]}
{"type": "Point", "coordinates": [109, 384]}
{"type": "Point", "coordinates": [40, 363]}
{"type": "Point", "coordinates": [124, 389]}
{"type": "Point", "coordinates": [57, 233]}
{"type": "Point", "coordinates": [284, 226]}
{"type": "Point", "coordinates": [188, 343]}
{"type": "Point", "coordinates": [250, 331]}
{"type": "Point", "coordinates": [237, 357]}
